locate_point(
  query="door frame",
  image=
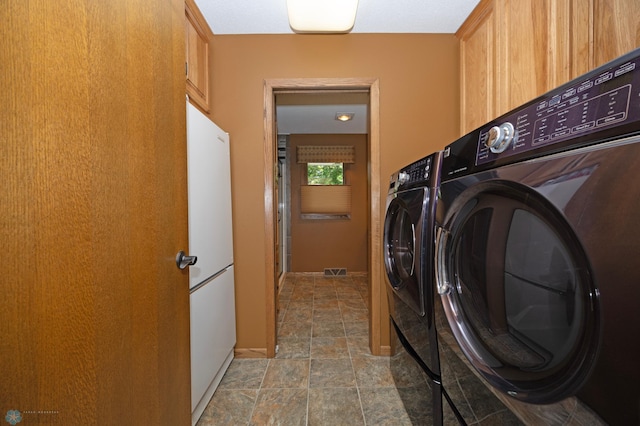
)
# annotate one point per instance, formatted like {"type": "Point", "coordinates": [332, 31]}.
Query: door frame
{"type": "Point", "coordinates": [311, 85]}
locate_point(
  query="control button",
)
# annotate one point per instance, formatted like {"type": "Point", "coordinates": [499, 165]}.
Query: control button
{"type": "Point", "coordinates": [403, 177]}
{"type": "Point", "coordinates": [500, 137]}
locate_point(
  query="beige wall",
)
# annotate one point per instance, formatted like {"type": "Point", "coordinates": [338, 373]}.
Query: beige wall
{"type": "Point", "coordinates": [419, 104]}
{"type": "Point", "coordinates": [336, 243]}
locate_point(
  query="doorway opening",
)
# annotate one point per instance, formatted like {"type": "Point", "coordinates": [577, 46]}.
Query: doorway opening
{"type": "Point", "coordinates": [271, 196]}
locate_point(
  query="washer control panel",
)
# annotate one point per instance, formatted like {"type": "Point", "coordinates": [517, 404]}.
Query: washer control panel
{"type": "Point", "coordinates": [604, 99]}
{"type": "Point", "coordinates": [419, 173]}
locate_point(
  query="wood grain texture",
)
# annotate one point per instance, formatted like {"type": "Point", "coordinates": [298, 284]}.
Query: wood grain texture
{"type": "Point", "coordinates": [46, 336]}
{"type": "Point", "coordinates": [251, 353]}
{"type": "Point", "coordinates": [477, 67]}
{"type": "Point", "coordinates": [616, 29]}
{"type": "Point", "coordinates": [582, 38]}
{"type": "Point", "coordinates": [95, 313]}
{"type": "Point", "coordinates": [524, 60]}
{"type": "Point", "coordinates": [377, 289]}
{"type": "Point", "coordinates": [198, 36]}
{"type": "Point", "coordinates": [270, 200]}
{"type": "Point", "coordinates": [514, 51]}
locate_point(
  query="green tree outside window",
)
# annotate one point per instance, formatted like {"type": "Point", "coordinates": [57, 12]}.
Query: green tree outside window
{"type": "Point", "coordinates": [325, 174]}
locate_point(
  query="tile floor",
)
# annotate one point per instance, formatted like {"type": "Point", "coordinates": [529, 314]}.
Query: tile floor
{"type": "Point", "coordinates": [323, 374]}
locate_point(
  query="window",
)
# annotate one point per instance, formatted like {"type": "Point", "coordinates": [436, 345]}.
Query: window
{"type": "Point", "coordinates": [325, 174]}
{"type": "Point", "coordinates": [326, 194]}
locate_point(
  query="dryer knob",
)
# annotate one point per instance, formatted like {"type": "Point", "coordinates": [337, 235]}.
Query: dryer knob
{"type": "Point", "coordinates": [500, 137]}
{"type": "Point", "coordinates": [403, 177]}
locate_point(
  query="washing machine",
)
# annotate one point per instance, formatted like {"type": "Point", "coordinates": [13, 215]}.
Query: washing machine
{"type": "Point", "coordinates": [408, 252]}
{"type": "Point", "coordinates": [537, 247]}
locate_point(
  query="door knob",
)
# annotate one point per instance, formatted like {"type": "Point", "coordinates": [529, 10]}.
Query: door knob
{"type": "Point", "coordinates": [182, 260]}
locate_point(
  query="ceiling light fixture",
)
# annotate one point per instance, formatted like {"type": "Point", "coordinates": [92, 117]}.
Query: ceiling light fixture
{"type": "Point", "coordinates": [322, 16]}
{"type": "Point", "coordinates": [344, 116]}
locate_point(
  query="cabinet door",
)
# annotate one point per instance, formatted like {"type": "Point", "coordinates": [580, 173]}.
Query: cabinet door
{"type": "Point", "coordinates": [576, 39]}
{"type": "Point", "coordinates": [616, 28]}
{"type": "Point", "coordinates": [512, 52]}
{"type": "Point", "coordinates": [526, 45]}
{"type": "Point", "coordinates": [197, 34]}
{"type": "Point", "coordinates": [477, 62]}
{"type": "Point", "coordinates": [543, 44]}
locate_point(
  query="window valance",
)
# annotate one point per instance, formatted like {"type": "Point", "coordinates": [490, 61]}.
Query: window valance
{"type": "Point", "coordinates": [326, 154]}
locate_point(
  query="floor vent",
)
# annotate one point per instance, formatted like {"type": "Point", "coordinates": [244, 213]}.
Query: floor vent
{"type": "Point", "coordinates": [331, 272]}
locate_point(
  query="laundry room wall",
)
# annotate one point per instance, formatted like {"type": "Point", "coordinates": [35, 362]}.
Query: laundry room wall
{"type": "Point", "coordinates": [419, 113]}
{"type": "Point", "coordinates": [317, 244]}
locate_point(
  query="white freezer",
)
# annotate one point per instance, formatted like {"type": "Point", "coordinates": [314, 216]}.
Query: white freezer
{"type": "Point", "coordinates": [209, 178]}
{"type": "Point", "coordinates": [211, 279]}
{"type": "Point", "coordinates": [213, 336]}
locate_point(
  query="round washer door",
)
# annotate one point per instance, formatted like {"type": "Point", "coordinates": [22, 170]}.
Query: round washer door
{"type": "Point", "coordinates": [401, 247]}
{"type": "Point", "coordinates": [517, 291]}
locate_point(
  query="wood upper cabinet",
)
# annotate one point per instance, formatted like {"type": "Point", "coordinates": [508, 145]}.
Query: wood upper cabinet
{"type": "Point", "coordinates": [478, 67]}
{"type": "Point", "coordinates": [616, 28]}
{"type": "Point", "coordinates": [197, 35]}
{"type": "Point", "coordinates": [514, 51]}
{"type": "Point", "coordinates": [527, 51]}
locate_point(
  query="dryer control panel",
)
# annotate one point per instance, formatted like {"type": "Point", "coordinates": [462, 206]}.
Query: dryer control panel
{"type": "Point", "coordinates": [601, 105]}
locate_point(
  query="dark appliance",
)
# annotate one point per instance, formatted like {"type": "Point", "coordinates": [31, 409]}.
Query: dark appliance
{"type": "Point", "coordinates": [537, 251]}
{"type": "Point", "coordinates": [408, 259]}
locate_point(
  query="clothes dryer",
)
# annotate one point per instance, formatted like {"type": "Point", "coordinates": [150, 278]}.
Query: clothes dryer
{"type": "Point", "coordinates": [536, 255]}
{"type": "Point", "coordinates": [408, 259]}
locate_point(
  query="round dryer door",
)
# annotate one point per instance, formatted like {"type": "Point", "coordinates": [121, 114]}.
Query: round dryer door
{"type": "Point", "coordinates": [517, 291]}
{"type": "Point", "coordinates": [402, 247]}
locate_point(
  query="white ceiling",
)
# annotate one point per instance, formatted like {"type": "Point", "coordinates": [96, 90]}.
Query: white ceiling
{"type": "Point", "coordinates": [320, 119]}
{"type": "Point", "coordinates": [373, 16]}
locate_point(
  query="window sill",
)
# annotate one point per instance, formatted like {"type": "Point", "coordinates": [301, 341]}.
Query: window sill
{"type": "Point", "coordinates": [325, 216]}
